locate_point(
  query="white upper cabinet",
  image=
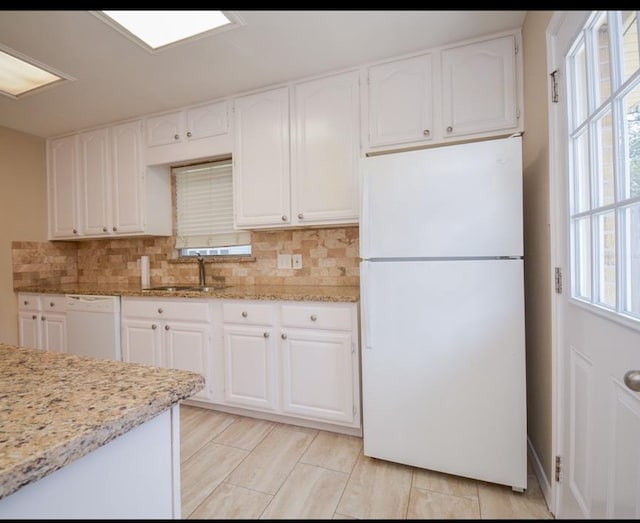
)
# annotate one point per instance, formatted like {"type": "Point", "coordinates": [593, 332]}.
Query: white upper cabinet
{"type": "Point", "coordinates": [326, 150]}
{"type": "Point", "coordinates": [471, 89]}
{"type": "Point", "coordinates": [479, 89]}
{"type": "Point", "coordinates": [320, 185]}
{"type": "Point", "coordinates": [400, 104]}
{"type": "Point", "coordinates": [261, 159]}
{"type": "Point", "coordinates": [98, 186]}
{"type": "Point", "coordinates": [191, 133]}
{"type": "Point", "coordinates": [62, 187]}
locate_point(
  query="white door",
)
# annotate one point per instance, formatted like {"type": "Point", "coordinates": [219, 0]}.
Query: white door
{"type": "Point", "coordinates": [443, 367]}
{"type": "Point", "coordinates": [29, 329]}
{"type": "Point", "coordinates": [95, 182]}
{"type": "Point", "coordinates": [62, 187]}
{"type": "Point", "coordinates": [594, 132]}
{"type": "Point", "coordinates": [54, 332]}
{"type": "Point", "coordinates": [207, 120]}
{"type": "Point", "coordinates": [142, 342]}
{"type": "Point", "coordinates": [127, 178]}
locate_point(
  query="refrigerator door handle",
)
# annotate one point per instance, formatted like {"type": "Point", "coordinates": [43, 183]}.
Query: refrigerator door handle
{"type": "Point", "coordinates": [367, 306]}
{"type": "Point", "coordinates": [364, 215]}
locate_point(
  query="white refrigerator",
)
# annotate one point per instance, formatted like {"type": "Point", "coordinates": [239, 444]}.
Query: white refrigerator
{"type": "Point", "coordinates": [442, 291]}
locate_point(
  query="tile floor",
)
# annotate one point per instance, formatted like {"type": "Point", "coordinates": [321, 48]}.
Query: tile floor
{"type": "Point", "coordinates": [235, 467]}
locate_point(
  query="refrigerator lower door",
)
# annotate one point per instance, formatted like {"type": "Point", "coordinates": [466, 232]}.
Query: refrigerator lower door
{"type": "Point", "coordinates": [443, 367]}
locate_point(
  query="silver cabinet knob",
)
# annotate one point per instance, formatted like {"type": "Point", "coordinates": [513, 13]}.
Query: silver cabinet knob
{"type": "Point", "coordinates": [283, 336]}
{"type": "Point", "coordinates": [449, 129]}
{"type": "Point", "coordinates": [42, 319]}
{"type": "Point", "coordinates": [160, 311]}
{"type": "Point", "coordinates": [26, 302]}
{"type": "Point", "coordinates": [313, 317]}
{"type": "Point", "coordinates": [115, 228]}
{"type": "Point", "coordinates": [176, 136]}
{"type": "Point", "coordinates": [266, 334]}
{"type": "Point", "coordinates": [104, 229]}
{"type": "Point", "coordinates": [632, 380]}
{"type": "Point", "coordinates": [188, 134]}
{"type": "Point", "coordinates": [33, 317]}
{"type": "Point", "coordinates": [284, 218]}
{"type": "Point", "coordinates": [51, 304]}
{"type": "Point", "coordinates": [300, 216]}
{"type": "Point", "coordinates": [426, 132]}
{"type": "Point", "coordinates": [244, 314]}
{"type": "Point", "coordinates": [166, 327]}
{"type": "Point", "coordinates": [75, 231]}
{"type": "Point", "coordinates": [154, 326]}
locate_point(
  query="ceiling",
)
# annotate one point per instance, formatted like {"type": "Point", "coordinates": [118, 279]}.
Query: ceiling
{"type": "Point", "coordinates": [116, 79]}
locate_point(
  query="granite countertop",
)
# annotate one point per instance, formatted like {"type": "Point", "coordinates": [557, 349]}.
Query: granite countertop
{"type": "Point", "coordinates": [57, 407]}
{"type": "Point", "coordinates": [328, 293]}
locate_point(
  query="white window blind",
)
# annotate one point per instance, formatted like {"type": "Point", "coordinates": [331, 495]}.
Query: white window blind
{"type": "Point", "coordinates": [204, 205]}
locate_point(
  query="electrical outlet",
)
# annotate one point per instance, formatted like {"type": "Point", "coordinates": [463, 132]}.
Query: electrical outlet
{"type": "Point", "coordinates": [284, 261]}
{"type": "Point", "coordinates": [297, 261]}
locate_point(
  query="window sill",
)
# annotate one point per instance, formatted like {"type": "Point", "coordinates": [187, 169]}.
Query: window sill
{"type": "Point", "coordinates": [215, 259]}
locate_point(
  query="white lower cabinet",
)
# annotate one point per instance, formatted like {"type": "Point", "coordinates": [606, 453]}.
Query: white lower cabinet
{"type": "Point", "coordinates": [42, 321]}
{"type": "Point", "coordinates": [294, 359]}
{"type": "Point", "coordinates": [173, 333]}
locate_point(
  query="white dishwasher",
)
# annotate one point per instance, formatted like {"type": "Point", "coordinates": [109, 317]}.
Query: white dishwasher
{"type": "Point", "coordinates": [93, 326]}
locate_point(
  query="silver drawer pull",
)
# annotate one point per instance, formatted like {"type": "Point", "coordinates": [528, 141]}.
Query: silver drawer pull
{"type": "Point", "coordinates": [266, 334]}
{"type": "Point", "coordinates": [51, 304]}
{"type": "Point", "coordinates": [283, 336]}
{"type": "Point", "coordinates": [314, 317]}
{"type": "Point", "coordinates": [166, 327]}
{"type": "Point", "coordinates": [33, 317]}
{"type": "Point", "coordinates": [154, 326]}
{"type": "Point", "coordinates": [632, 380]}
{"type": "Point", "coordinates": [160, 311]}
{"type": "Point", "coordinates": [244, 314]}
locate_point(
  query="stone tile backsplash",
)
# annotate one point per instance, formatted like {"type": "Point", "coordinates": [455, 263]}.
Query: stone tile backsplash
{"type": "Point", "coordinates": [329, 257]}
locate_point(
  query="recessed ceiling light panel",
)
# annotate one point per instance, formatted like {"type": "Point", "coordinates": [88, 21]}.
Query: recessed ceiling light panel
{"type": "Point", "coordinates": [20, 75]}
{"type": "Point", "coordinates": [159, 29]}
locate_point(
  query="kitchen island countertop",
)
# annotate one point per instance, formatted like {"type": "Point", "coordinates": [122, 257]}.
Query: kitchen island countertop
{"type": "Point", "coordinates": [326, 293]}
{"type": "Point", "coordinates": [57, 407]}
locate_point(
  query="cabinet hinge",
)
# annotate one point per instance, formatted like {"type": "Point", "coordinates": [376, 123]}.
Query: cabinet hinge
{"type": "Point", "coordinates": [517, 113]}
{"type": "Point", "coordinates": [558, 468]}
{"type": "Point", "coordinates": [554, 86]}
{"type": "Point", "coordinates": [516, 47]}
{"type": "Point", "coordinates": [353, 348]}
{"type": "Point", "coordinates": [558, 280]}
{"type": "Point", "coordinates": [353, 410]}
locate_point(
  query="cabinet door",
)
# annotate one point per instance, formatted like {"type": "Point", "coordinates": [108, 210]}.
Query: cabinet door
{"type": "Point", "coordinates": [127, 178]}
{"type": "Point", "coordinates": [249, 366]}
{"type": "Point", "coordinates": [261, 159]}
{"type": "Point", "coordinates": [95, 182]}
{"type": "Point", "coordinates": [479, 87]}
{"type": "Point", "coordinates": [207, 120]}
{"type": "Point", "coordinates": [62, 187]}
{"type": "Point", "coordinates": [317, 376]}
{"type": "Point", "coordinates": [401, 101]}
{"type": "Point", "coordinates": [164, 129]}
{"type": "Point", "coordinates": [142, 341]}
{"type": "Point", "coordinates": [326, 150]}
{"type": "Point", "coordinates": [54, 332]}
{"type": "Point", "coordinates": [187, 348]}
{"type": "Point", "coordinates": [29, 329]}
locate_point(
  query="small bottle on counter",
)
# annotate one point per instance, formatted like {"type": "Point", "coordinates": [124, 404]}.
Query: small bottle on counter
{"type": "Point", "coordinates": [145, 276]}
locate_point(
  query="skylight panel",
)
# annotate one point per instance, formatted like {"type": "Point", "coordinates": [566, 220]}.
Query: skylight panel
{"type": "Point", "coordinates": [161, 28]}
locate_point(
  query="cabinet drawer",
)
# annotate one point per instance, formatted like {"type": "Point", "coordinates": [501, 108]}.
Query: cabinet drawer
{"type": "Point", "coordinates": [50, 302]}
{"type": "Point", "coordinates": [28, 301]}
{"type": "Point", "coordinates": [174, 309]}
{"type": "Point", "coordinates": [248, 313]}
{"type": "Point", "coordinates": [317, 316]}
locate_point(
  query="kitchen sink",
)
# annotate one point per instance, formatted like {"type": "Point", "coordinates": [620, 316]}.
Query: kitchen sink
{"type": "Point", "coordinates": [194, 288]}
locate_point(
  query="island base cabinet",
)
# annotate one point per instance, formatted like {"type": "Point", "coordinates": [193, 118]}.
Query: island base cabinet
{"type": "Point", "coordinates": [135, 476]}
{"type": "Point", "coordinates": [317, 376]}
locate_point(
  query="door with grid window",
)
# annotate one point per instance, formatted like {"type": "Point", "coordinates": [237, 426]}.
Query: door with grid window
{"type": "Point", "coordinates": [595, 147]}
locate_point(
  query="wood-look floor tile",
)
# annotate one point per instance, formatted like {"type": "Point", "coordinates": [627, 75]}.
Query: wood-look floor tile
{"type": "Point", "coordinates": [426, 504]}
{"type": "Point", "coordinates": [199, 428]}
{"type": "Point", "coordinates": [204, 471]}
{"type": "Point", "coordinates": [333, 451]}
{"type": "Point", "coordinates": [500, 502]}
{"type": "Point", "coordinates": [309, 492]}
{"type": "Point", "coordinates": [245, 433]}
{"type": "Point", "coordinates": [269, 464]}
{"type": "Point", "coordinates": [445, 483]}
{"type": "Point", "coordinates": [377, 489]}
{"type": "Point", "coordinates": [232, 502]}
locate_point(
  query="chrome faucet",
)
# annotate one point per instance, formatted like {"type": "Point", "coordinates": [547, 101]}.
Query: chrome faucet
{"type": "Point", "coordinates": [201, 275]}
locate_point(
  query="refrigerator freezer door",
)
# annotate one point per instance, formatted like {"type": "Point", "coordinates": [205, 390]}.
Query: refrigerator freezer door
{"type": "Point", "coordinates": [456, 201]}
{"type": "Point", "coordinates": [443, 367]}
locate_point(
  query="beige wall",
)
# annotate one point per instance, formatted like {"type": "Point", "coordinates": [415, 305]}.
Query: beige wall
{"type": "Point", "coordinates": [537, 246]}
{"type": "Point", "coordinates": [23, 211]}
